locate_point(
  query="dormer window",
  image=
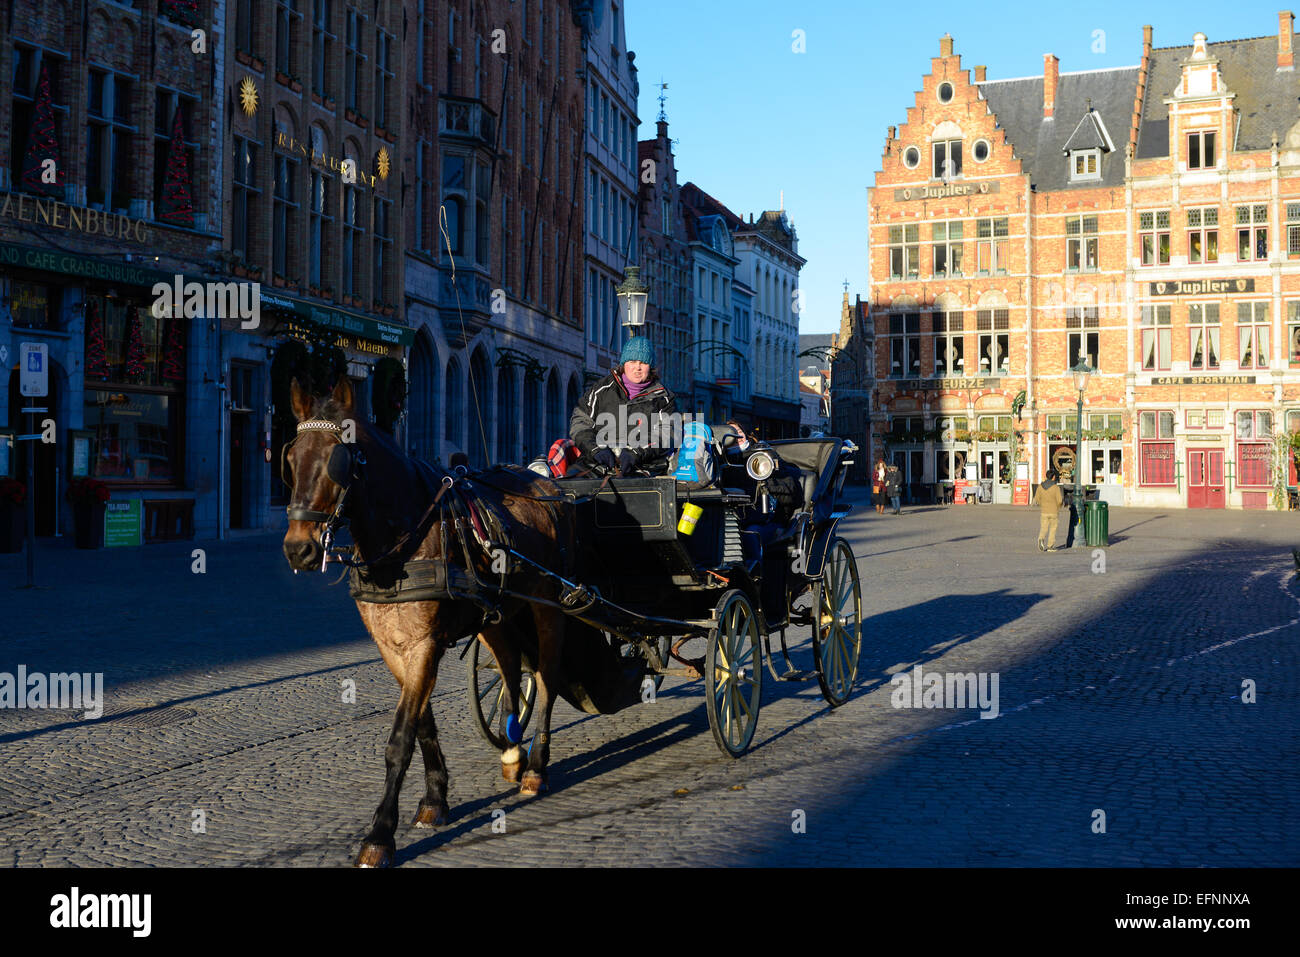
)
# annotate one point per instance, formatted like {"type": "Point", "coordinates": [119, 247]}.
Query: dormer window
{"type": "Point", "coordinates": [1085, 164]}
{"type": "Point", "coordinates": [1085, 147]}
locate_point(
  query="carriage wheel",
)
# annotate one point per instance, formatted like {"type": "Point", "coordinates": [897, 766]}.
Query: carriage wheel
{"type": "Point", "coordinates": [733, 674]}
{"type": "Point", "coordinates": [837, 631]}
{"type": "Point", "coordinates": [486, 689]}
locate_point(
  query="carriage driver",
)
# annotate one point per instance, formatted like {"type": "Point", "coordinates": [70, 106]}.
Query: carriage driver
{"type": "Point", "coordinates": [610, 410]}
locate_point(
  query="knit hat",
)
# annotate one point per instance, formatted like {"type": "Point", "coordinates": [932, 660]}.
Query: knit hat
{"type": "Point", "coordinates": [638, 349]}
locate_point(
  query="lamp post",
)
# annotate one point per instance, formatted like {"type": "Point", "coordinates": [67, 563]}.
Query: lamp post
{"type": "Point", "coordinates": [632, 294]}
{"type": "Point", "coordinates": [1081, 372]}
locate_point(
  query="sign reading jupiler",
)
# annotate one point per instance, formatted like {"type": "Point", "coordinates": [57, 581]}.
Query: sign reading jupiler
{"type": "Point", "coordinates": [946, 190]}
{"type": "Point", "coordinates": [1200, 287]}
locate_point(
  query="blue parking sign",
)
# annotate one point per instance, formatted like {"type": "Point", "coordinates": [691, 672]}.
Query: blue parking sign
{"type": "Point", "coordinates": [34, 378]}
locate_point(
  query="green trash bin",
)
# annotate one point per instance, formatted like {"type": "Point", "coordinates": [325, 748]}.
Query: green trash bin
{"type": "Point", "coordinates": [1096, 524]}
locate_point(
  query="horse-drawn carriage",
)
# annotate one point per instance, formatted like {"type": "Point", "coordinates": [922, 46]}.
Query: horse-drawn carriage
{"type": "Point", "coordinates": [734, 584]}
{"type": "Point", "coordinates": [579, 588]}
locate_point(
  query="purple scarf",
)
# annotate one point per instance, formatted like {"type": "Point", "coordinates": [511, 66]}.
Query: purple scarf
{"type": "Point", "coordinates": [634, 389]}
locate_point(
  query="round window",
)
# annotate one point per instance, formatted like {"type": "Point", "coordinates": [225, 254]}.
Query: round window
{"type": "Point", "coordinates": [945, 92]}
{"type": "Point", "coordinates": [911, 157]}
{"type": "Point", "coordinates": [980, 150]}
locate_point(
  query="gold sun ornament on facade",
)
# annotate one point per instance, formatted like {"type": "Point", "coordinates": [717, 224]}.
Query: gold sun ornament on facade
{"type": "Point", "coordinates": [381, 163]}
{"type": "Point", "coordinates": [248, 96]}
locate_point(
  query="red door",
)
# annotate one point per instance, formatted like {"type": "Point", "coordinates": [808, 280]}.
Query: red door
{"type": "Point", "coordinates": [1216, 495]}
{"type": "Point", "coordinates": [1205, 488]}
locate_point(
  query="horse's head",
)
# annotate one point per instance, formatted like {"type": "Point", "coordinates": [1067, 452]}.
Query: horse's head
{"type": "Point", "coordinates": [318, 466]}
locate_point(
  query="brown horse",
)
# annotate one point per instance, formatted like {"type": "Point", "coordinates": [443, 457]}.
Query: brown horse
{"type": "Point", "coordinates": [398, 512]}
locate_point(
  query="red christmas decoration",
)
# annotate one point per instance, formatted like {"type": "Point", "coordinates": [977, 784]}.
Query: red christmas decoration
{"type": "Point", "coordinates": [43, 143]}
{"type": "Point", "coordinates": [173, 352]}
{"type": "Point", "coordinates": [186, 11]}
{"type": "Point", "coordinates": [135, 345]}
{"type": "Point", "coordinates": [96, 353]}
{"type": "Point", "coordinates": [176, 206]}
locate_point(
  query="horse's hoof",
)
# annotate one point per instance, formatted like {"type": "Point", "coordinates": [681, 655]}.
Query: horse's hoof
{"type": "Point", "coordinates": [532, 783]}
{"type": "Point", "coordinates": [432, 815]}
{"type": "Point", "coordinates": [510, 772]}
{"type": "Point", "coordinates": [376, 855]}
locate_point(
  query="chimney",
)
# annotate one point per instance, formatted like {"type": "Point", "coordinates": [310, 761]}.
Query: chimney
{"type": "Point", "coordinates": [1146, 39]}
{"type": "Point", "coordinates": [945, 45]}
{"type": "Point", "coordinates": [979, 74]}
{"type": "Point", "coordinates": [1051, 67]}
{"type": "Point", "coordinates": [1285, 29]}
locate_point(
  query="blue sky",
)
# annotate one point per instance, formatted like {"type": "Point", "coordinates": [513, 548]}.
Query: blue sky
{"type": "Point", "coordinates": [753, 118]}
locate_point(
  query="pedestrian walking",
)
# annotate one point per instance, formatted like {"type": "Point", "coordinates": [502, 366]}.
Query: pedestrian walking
{"type": "Point", "coordinates": [1049, 498]}
{"type": "Point", "coordinates": [878, 485]}
{"type": "Point", "coordinates": [893, 487]}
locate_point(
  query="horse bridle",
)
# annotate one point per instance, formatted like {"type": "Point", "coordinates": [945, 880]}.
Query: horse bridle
{"type": "Point", "coordinates": [343, 469]}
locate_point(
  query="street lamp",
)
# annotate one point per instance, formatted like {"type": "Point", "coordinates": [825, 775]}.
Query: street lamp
{"type": "Point", "coordinates": [1081, 372]}
{"type": "Point", "coordinates": [632, 295]}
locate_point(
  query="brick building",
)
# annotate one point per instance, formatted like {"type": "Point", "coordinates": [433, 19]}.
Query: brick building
{"type": "Point", "coordinates": [97, 91]}
{"type": "Point", "coordinates": [497, 109]}
{"type": "Point", "coordinates": [665, 262]}
{"type": "Point", "coordinates": [1018, 226]}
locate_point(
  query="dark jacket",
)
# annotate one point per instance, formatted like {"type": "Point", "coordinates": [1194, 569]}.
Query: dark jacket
{"type": "Point", "coordinates": [605, 399]}
{"type": "Point", "coordinates": [893, 480]}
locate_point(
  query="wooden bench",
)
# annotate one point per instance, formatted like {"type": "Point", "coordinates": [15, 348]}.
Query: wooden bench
{"type": "Point", "coordinates": [168, 520]}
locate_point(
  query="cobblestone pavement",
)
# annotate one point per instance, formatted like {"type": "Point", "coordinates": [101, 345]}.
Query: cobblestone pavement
{"type": "Point", "coordinates": [1120, 691]}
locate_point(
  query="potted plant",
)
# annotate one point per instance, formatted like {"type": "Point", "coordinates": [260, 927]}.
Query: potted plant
{"type": "Point", "coordinates": [316, 98]}
{"type": "Point", "coordinates": [295, 84]}
{"type": "Point", "coordinates": [88, 497]}
{"type": "Point", "coordinates": [281, 77]}
{"type": "Point", "coordinates": [350, 115]}
{"type": "Point", "coordinates": [244, 57]}
{"type": "Point", "coordinates": [258, 65]}
{"type": "Point", "coordinates": [329, 102]}
{"type": "Point", "coordinates": [13, 515]}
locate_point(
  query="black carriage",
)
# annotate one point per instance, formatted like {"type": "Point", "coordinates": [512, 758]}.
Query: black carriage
{"type": "Point", "coordinates": [643, 589]}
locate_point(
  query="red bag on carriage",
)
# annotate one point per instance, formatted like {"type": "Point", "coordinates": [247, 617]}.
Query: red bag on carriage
{"type": "Point", "coordinates": [562, 457]}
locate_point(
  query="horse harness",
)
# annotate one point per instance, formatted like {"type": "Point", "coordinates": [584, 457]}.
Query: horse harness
{"type": "Point", "coordinates": [475, 528]}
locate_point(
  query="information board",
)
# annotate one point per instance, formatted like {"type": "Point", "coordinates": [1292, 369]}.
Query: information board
{"type": "Point", "coordinates": [122, 523]}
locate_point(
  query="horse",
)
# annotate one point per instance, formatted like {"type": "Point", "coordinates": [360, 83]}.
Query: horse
{"type": "Point", "coordinates": [399, 511]}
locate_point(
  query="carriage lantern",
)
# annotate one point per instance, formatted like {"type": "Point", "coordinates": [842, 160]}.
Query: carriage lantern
{"type": "Point", "coordinates": [632, 295]}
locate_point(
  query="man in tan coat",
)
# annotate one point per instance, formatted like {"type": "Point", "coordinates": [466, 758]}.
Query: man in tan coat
{"type": "Point", "coordinates": [1049, 498]}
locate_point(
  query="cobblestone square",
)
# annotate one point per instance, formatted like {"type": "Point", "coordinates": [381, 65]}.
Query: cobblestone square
{"type": "Point", "coordinates": [225, 740]}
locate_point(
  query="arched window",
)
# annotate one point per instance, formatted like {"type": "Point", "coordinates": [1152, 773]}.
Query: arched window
{"type": "Point", "coordinates": [534, 440]}
{"type": "Point", "coordinates": [575, 393]}
{"type": "Point", "coordinates": [422, 422]}
{"type": "Point", "coordinates": [507, 423]}
{"type": "Point", "coordinates": [556, 415]}
{"type": "Point", "coordinates": [454, 408]}
{"type": "Point", "coordinates": [479, 409]}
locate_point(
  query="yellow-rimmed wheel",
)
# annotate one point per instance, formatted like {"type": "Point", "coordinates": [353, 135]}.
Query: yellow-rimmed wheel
{"type": "Point", "coordinates": [487, 689]}
{"type": "Point", "coordinates": [837, 628]}
{"type": "Point", "coordinates": [733, 674]}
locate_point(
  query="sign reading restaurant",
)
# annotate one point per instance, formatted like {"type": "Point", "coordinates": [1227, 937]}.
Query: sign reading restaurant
{"type": "Point", "coordinates": [946, 190]}
{"type": "Point", "coordinates": [1200, 287]}
{"type": "Point", "coordinates": [332, 163]}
